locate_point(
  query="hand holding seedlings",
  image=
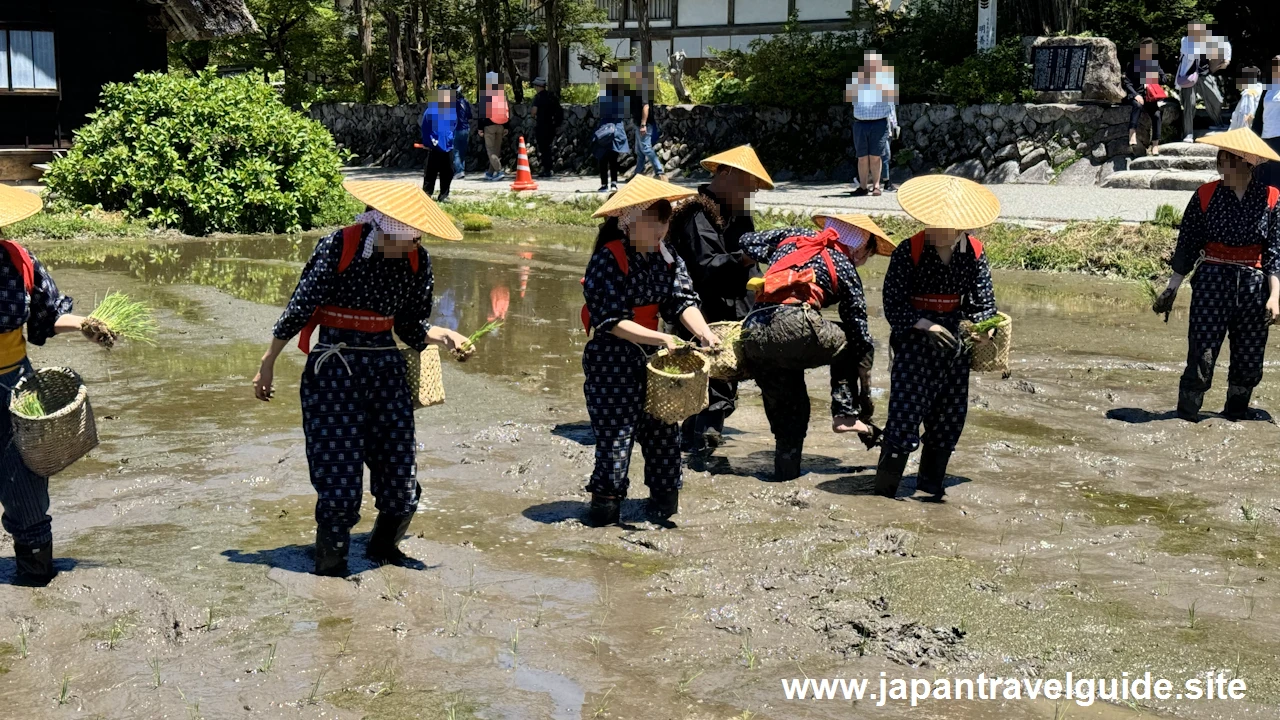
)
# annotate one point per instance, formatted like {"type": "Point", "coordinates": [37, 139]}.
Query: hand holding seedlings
{"type": "Point", "coordinates": [118, 317]}
{"type": "Point", "coordinates": [468, 346]}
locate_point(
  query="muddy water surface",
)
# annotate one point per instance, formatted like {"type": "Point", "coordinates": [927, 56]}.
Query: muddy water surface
{"type": "Point", "coordinates": [1085, 529]}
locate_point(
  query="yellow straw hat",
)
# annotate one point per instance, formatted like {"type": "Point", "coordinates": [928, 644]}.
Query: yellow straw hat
{"type": "Point", "coordinates": [743, 158]}
{"type": "Point", "coordinates": [405, 202]}
{"type": "Point", "coordinates": [945, 201]}
{"type": "Point", "coordinates": [882, 245]}
{"type": "Point", "coordinates": [17, 204]}
{"type": "Point", "coordinates": [1243, 142]}
{"type": "Point", "coordinates": [641, 191]}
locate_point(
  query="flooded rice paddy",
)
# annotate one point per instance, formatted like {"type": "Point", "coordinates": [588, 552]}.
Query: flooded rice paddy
{"type": "Point", "coordinates": [1086, 530]}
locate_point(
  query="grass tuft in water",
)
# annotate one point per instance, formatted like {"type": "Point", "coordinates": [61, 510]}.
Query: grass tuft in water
{"type": "Point", "coordinates": [475, 222]}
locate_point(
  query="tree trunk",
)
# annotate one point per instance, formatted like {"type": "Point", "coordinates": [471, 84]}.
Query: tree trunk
{"type": "Point", "coordinates": [508, 62]}
{"type": "Point", "coordinates": [1050, 17]}
{"type": "Point", "coordinates": [646, 37]}
{"type": "Point", "coordinates": [412, 51]}
{"type": "Point", "coordinates": [395, 50]}
{"type": "Point", "coordinates": [552, 9]}
{"type": "Point", "coordinates": [365, 30]}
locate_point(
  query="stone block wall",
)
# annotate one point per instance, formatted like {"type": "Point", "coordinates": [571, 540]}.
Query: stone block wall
{"type": "Point", "coordinates": [989, 143]}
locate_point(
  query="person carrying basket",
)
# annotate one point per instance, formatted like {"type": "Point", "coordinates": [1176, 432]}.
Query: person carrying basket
{"type": "Point", "coordinates": [632, 279]}
{"type": "Point", "coordinates": [786, 334]}
{"type": "Point", "coordinates": [29, 300]}
{"type": "Point", "coordinates": [361, 283]}
{"type": "Point", "coordinates": [934, 281]}
{"type": "Point", "coordinates": [1230, 237]}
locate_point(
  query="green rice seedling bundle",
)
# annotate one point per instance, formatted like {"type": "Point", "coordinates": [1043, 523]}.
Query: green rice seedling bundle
{"type": "Point", "coordinates": [990, 323]}
{"type": "Point", "coordinates": [119, 317]}
{"type": "Point", "coordinates": [1149, 290]}
{"type": "Point", "coordinates": [489, 327]}
{"type": "Point", "coordinates": [28, 403]}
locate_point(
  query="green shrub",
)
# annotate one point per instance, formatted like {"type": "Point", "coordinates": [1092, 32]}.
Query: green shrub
{"type": "Point", "coordinates": [715, 86]}
{"type": "Point", "coordinates": [476, 221]}
{"type": "Point", "coordinates": [1168, 216]}
{"type": "Point", "coordinates": [795, 68]}
{"type": "Point", "coordinates": [203, 154]}
{"type": "Point", "coordinates": [999, 75]}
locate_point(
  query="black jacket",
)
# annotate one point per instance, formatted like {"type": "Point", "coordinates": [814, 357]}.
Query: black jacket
{"type": "Point", "coordinates": [1134, 83]}
{"type": "Point", "coordinates": [707, 237]}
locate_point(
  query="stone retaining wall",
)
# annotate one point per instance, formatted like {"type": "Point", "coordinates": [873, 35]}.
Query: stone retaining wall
{"type": "Point", "coordinates": [990, 143]}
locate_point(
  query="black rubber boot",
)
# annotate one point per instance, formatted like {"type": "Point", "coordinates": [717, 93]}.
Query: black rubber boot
{"type": "Point", "coordinates": [604, 511]}
{"type": "Point", "coordinates": [1237, 407]}
{"type": "Point", "coordinates": [663, 504]}
{"type": "Point", "coordinates": [388, 531]}
{"type": "Point", "coordinates": [932, 475]}
{"type": "Point", "coordinates": [1189, 403]}
{"type": "Point", "coordinates": [331, 551]}
{"type": "Point", "coordinates": [889, 471]}
{"type": "Point", "coordinates": [35, 564]}
{"type": "Point", "coordinates": [786, 460]}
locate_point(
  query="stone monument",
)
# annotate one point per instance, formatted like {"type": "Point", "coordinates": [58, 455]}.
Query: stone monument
{"type": "Point", "coordinates": [1072, 69]}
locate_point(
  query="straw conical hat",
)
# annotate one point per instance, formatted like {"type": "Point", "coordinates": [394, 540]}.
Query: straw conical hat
{"type": "Point", "coordinates": [641, 190]}
{"type": "Point", "coordinates": [17, 204]}
{"type": "Point", "coordinates": [405, 202]}
{"type": "Point", "coordinates": [882, 246]}
{"type": "Point", "coordinates": [945, 201]}
{"type": "Point", "coordinates": [1243, 142]}
{"type": "Point", "coordinates": [743, 158]}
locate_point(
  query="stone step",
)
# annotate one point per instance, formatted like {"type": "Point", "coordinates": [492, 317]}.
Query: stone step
{"type": "Point", "coordinates": [1181, 149]}
{"type": "Point", "coordinates": [1158, 179]}
{"type": "Point", "coordinates": [1174, 162]}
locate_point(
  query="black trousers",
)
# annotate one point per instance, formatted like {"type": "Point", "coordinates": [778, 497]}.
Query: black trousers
{"type": "Point", "coordinates": [546, 151]}
{"type": "Point", "coordinates": [1227, 302]}
{"type": "Point", "coordinates": [1157, 118]}
{"type": "Point", "coordinates": [439, 164]}
{"type": "Point", "coordinates": [608, 164]}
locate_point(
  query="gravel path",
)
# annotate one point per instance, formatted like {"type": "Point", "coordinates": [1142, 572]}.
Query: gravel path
{"type": "Point", "coordinates": [1033, 204]}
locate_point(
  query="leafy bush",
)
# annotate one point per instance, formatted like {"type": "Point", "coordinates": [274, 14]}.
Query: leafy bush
{"type": "Point", "coordinates": [999, 75]}
{"type": "Point", "coordinates": [715, 86]}
{"type": "Point", "coordinates": [203, 154]}
{"type": "Point", "coordinates": [795, 68]}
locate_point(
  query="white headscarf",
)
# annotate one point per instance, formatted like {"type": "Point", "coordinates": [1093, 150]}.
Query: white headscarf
{"type": "Point", "coordinates": [849, 235]}
{"type": "Point", "coordinates": [387, 224]}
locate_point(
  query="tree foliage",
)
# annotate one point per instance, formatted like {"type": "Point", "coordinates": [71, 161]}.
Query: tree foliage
{"type": "Point", "coordinates": [202, 154]}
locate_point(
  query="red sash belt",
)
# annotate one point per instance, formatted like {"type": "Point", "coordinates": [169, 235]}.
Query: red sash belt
{"type": "Point", "coordinates": [792, 287]}
{"type": "Point", "coordinates": [1250, 255]}
{"type": "Point", "coordinates": [646, 315]}
{"type": "Point", "coordinates": [936, 303]}
{"type": "Point", "coordinates": [343, 319]}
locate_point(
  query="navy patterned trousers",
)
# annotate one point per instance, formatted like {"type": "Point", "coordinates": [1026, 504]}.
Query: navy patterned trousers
{"type": "Point", "coordinates": [615, 390]}
{"type": "Point", "coordinates": [926, 386]}
{"type": "Point", "coordinates": [355, 418]}
{"type": "Point", "coordinates": [1226, 301]}
{"type": "Point", "coordinates": [23, 494]}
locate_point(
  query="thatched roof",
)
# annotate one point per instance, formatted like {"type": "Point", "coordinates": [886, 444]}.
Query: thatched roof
{"type": "Point", "coordinates": [204, 19]}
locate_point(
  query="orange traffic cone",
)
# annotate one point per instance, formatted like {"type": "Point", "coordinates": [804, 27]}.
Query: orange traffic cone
{"type": "Point", "coordinates": [524, 178]}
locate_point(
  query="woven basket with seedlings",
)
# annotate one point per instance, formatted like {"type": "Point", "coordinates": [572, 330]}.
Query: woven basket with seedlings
{"type": "Point", "coordinates": [726, 360]}
{"type": "Point", "coordinates": [53, 424]}
{"type": "Point", "coordinates": [463, 352]}
{"type": "Point", "coordinates": [994, 355]}
{"type": "Point", "coordinates": [677, 384]}
{"type": "Point", "coordinates": [117, 317]}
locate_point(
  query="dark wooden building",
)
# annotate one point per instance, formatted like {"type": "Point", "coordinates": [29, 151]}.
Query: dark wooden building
{"type": "Point", "coordinates": [55, 56]}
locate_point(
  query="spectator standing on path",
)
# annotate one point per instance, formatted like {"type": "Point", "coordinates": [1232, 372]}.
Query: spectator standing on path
{"type": "Point", "coordinates": [646, 128]}
{"type": "Point", "coordinates": [610, 139]}
{"type": "Point", "coordinates": [1144, 90]}
{"type": "Point", "coordinates": [1251, 89]}
{"type": "Point", "coordinates": [872, 92]}
{"type": "Point", "coordinates": [1270, 122]}
{"type": "Point", "coordinates": [493, 122]}
{"type": "Point", "coordinates": [548, 115]}
{"type": "Point", "coordinates": [461, 132]}
{"type": "Point", "coordinates": [1202, 56]}
{"type": "Point", "coordinates": [438, 123]}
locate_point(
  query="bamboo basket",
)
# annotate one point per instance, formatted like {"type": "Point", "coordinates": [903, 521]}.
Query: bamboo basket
{"type": "Point", "coordinates": [677, 385]}
{"type": "Point", "coordinates": [422, 372]}
{"type": "Point", "coordinates": [726, 361]}
{"type": "Point", "coordinates": [49, 444]}
{"type": "Point", "coordinates": [993, 356]}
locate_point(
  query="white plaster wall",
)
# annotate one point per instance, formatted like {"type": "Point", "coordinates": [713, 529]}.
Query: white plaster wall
{"type": "Point", "coordinates": [704, 12]}
{"type": "Point", "coordinates": [756, 11]}
{"type": "Point", "coordinates": [719, 42]}
{"type": "Point", "coordinates": [820, 9]}
{"type": "Point", "coordinates": [692, 46]}
{"type": "Point", "coordinates": [741, 42]}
